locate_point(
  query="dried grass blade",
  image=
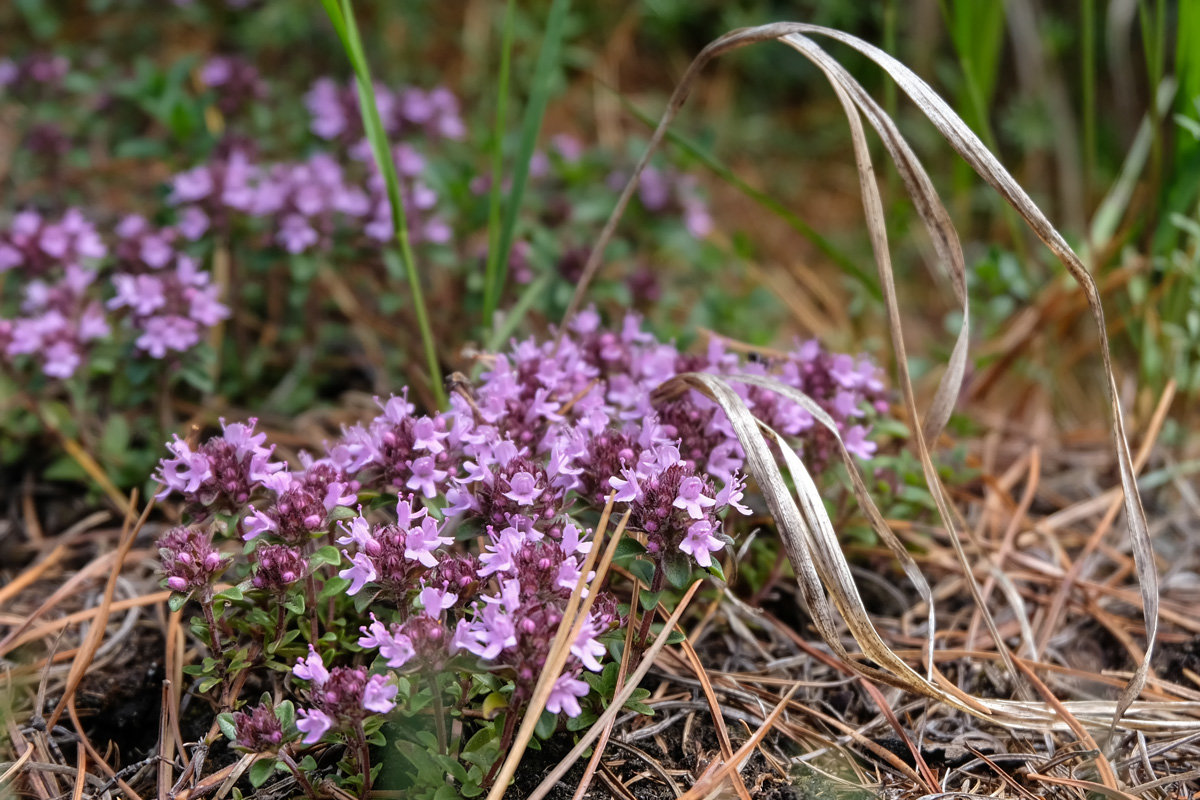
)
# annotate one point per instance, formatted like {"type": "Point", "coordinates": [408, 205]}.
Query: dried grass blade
{"type": "Point", "coordinates": [1058, 602]}
{"type": "Point", "coordinates": [80, 774]}
{"type": "Point", "coordinates": [622, 670]}
{"type": "Point", "coordinates": [96, 634]}
{"type": "Point", "coordinates": [702, 788]}
{"type": "Point", "coordinates": [812, 544]}
{"type": "Point", "coordinates": [945, 239]}
{"type": "Point", "coordinates": [95, 756]}
{"type": "Point", "coordinates": [714, 706]}
{"type": "Point", "coordinates": [968, 145]}
{"type": "Point", "coordinates": [16, 765]}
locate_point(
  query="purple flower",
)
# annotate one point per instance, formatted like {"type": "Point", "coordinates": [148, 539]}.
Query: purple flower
{"type": "Point", "coordinates": [425, 476]}
{"type": "Point", "coordinates": [313, 723]}
{"type": "Point", "coordinates": [223, 472]}
{"type": "Point", "coordinates": [700, 542]}
{"type": "Point", "coordinates": [343, 699]}
{"type": "Point", "coordinates": [434, 600]}
{"type": "Point", "coordinates": [359, 573]}
{"type": "Point", "coordinates": [395, 647]}
{"type": "Point", "coordinates": [423, 540]}
{"type": "Point", "coordinates": [189, 560]}
{"type": "Point", "coordinates": [278, 567]}
{"type": "Point", "coordinates": [565, 694]}
{"type": "Point", "coordinates": [258, 731]}
{"type": "Point", "coordinates": [856, 441]}
{"type": "Point", "coordinates": [523, 489]}
{"type": "Point", "coordinates": [238, 82]}
{"type": "Point", "coordinates": [379, 695]}
{"type": "Point", "coordinates": [392, 556]}
{"type": "Point", "coordinates": [311, 668]}
{"type": "Point", "coordinates": [691, 497]}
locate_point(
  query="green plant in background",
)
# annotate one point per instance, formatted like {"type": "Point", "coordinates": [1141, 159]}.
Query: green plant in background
{"type": "Point", "coordinates": [268, 228]}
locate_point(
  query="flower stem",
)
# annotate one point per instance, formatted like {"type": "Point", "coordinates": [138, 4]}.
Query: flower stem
{"type": "Point", "coordinates": [656, 585]}
{"type": "Point", "coordinates": [510, 727]}
{"type": "Point", "coordinates": [364, 760]}
{"type": "Point", "coordinates": [439, 711]}
{"type": "Point", "coordinates": [206, 601]}
{"type": "Point", "coordinates": [298, 774]}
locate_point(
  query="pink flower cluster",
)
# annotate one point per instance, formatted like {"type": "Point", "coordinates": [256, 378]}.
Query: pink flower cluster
{"type": "Point", "coordinates": [56, 266]}
{"type": "Point", "coordinates": [545, 434]}
{"type": "Point", "coordinates": [52, 263]}
{"type": "Point", "coordinates": [663, 191]}
{"type": "Point", "coordinates": [236, 80]}
{"type": "Point", "coordinates": [340, 698]}
{"type": "Point", "coordinates": [223, 472]}
{"type": "Point", "coordinates": [170, 300]}
{"type": "Point", "coordinates": [33, 74]}
{"type": "Point", "coordinates": [307, 205]}
{"type": "Point", "coordinates": [189, 559]}
{"type": "Point", "coordinates": [336, 115]}
{"type": "Point", "coordinates": [311, 204]}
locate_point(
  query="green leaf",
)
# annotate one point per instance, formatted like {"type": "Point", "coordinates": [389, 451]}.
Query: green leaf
{"type": "Point", "coordinates": [260, 771]}
{"type": "Point", "coordinates": [65, 469]}
{"type": "Point", "coordinates": [340, 513]}
{"type": "Point", "coordinates": [581, 722]}
{"type": "Point", "coordinates": [232, 595]}
{"type": "Point", "coordinates": [678, 568]}
{"type": "Point", "coordinates": [545, 74]}
{"type": "Point", "coordinates": [328, 554]}
{"type": "Point", "coordinates": [286, 714]}
{"type": "Point", "coordinates": [225, 722]}
{"type": "Point", "coordinates": [717, 570]}
{"type": "Point", "coordinates": [643, 570]}
{"type": "Point", "coordinates": [342, 16]}
{"type": "Point", "coordinates": [114, 440]}
{"type": "Point", "coordinates": [177, 601]}
{"type": "Point", "coordinates": [635, 702]}
{"type": "Point", "coordinates": [295, 603]}
{"type": "Point", "coordinates": [493, 704]}
{"type": "Point", "coordinates": [207, 684]}
{"type": "Point", "coordinates": [649, 600]}
{"type": "Point", "coordinates": [482, 748]}
{"type": "Point", "coordinates": [546, 725]}
{"type": "Point", "coordinates": [40, 17]}
{"type": "Point", "coordinates": [334, 586]}
{"type": "Point", "coordinates": [628, 546]}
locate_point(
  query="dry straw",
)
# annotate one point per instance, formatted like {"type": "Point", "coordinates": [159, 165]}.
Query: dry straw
{"type": "Point", "coordinates": [822, 571]}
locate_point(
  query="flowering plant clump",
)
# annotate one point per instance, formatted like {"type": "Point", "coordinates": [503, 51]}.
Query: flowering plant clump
{"type": "Point", "coordinates": [419, 568]}
{"type": "Point", "coordinates": [69, 282]}
{"type": "Point", "coordinates": [107, 309]}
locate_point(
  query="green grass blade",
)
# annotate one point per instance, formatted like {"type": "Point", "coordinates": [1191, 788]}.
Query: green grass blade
{"type": "Point", "coordinates": [1087, 26]}
{"type": "Point", "coordinates": [490, 277]}
{"type": "Point", "coordinates": [545, 72]}
{"type": "Point", "coordinates": [342, 18]}
{"type": "Point", "coordinates": [517, 312]}
{"type": "Point", "coordinates": [1187, 69]}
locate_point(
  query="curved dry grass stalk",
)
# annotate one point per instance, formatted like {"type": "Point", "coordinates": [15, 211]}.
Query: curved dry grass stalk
{"type": "Point", "coordinates": [806, 529]}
